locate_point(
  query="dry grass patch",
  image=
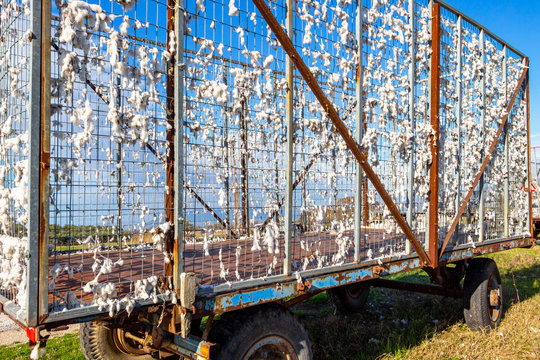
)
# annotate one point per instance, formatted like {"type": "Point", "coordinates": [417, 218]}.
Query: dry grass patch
{"type": "Point", "coordinates": [403, 325]}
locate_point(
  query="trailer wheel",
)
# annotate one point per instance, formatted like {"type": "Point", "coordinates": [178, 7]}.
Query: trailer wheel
{"type": "Point", "coordinates": [482, 299]}
{"type": "Point", "coordinates": [98, 342]}
{"type": "Point", "coordinates": [349, 299]}
{"type": "Point", "coordinates": [269, 332]}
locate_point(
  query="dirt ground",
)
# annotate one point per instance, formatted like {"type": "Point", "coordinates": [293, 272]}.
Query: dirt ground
{"type": "Point", "coordinates": [11, 333]}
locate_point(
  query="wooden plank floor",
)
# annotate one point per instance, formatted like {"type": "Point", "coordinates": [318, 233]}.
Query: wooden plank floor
{"type": "Point", "coordinates": [143, 263]}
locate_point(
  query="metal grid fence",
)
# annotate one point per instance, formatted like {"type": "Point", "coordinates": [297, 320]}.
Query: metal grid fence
{"type": "Point", "coordinates": [14, 96]}
{"type": "Point", "coordinates": [109, 151]}
{"type": "Point", "coordinates": [251, 133]}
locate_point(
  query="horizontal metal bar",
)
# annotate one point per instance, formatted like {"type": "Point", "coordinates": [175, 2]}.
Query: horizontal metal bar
{"type": "Point", "coordinates": [420, 288]}
{"type": "Point", "coordinates": [238, 299]}
{"type": "Point", "coordinates": [479, 26]}
{"type": "Point", "coordinates": [91, 312]}
{"type": "Point", "coordinates": [251, 297]}
{"type": "Point", "coordinates": [484, 249]}
{"type": "Point", "coordinates": [208, 291]}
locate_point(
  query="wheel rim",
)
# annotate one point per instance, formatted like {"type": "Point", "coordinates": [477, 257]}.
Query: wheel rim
{"type": "Point", "coordinates": [494, 299]}
{"type": "Point", "coordinates": [125, 345]}
{"type": "Point", "coordinates": [271, 348]}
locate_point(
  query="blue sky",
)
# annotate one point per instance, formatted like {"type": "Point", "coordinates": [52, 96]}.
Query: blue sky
{"type": "Point", "coordinates": [518, 23]}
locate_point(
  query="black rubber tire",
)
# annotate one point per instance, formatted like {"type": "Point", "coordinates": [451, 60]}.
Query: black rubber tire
{"type": "Point", "coordinates": [349, 299]}
{"type": "Point", "coordinates": [240, 332]}
{"type": "Point", "coordinates": [97, 343]}
{"type": "Point", "coordinates": [481, 277]}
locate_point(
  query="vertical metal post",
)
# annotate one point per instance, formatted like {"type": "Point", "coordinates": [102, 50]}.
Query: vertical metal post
{"type": "Point", "coordinates": [506, 195]}
{"type": "Point", "coordinates": [359, 130]}
{"type": "Point", "coordinates": [119, 165]}
{"type": "Point", "coordinates": [481, 209]}
{"type": "Point", "coordinates": [45, 156]}
{"type": "Point", "coordinates": [433, 251]}
{"type": "Point", "coordinates": [459, 116]}
{"type": "Point", "coordinates": [428, 105]}
{"type": "Point", "coordinates": [243, 166]}
{"type": "Point", "coordinates": [287, 263]}
{"type": "Point", "coordinates": [365, 185]}
{"type": "Point", "coordinates": [170, 190]}
{"type": "Point", "coordinates": [38, 164]}
{"type": "Point", "coordinates": [529, 179]}
{"type": "Point", "coordinates": [412, 85]}
{"type": "Point", "coordinates": [179, 142]}
{"type": "Point", "coordinates": [226, 150]}
{"type": "Point", "coordinates": [244, 163]}
{"type": "Point", "coordinates": [277, 191]}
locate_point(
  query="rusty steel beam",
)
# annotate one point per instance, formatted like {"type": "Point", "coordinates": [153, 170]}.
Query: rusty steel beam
{"type": "Point", "coordinates": [235, 299]}
{"type": "Point", "coordinates": [45, 161]}
{"type": "Point", "coordinates": [420, 288]}
{"type": "Point", "coordinates": [529, 178]}
{"type": "Point", "coordinates": [301, 176]}
{"type": "Point", "coordinates": [433, 250]}
{"type": "Point", "coordinates": [338, 124]}
{"type": "Point", "coordinates": [169, 192]}
{"type": "Point", "coordinates": [486, 159]}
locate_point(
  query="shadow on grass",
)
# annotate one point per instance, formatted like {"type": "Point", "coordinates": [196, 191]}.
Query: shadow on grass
{"type": "Point", "coordinates": [394, 321]}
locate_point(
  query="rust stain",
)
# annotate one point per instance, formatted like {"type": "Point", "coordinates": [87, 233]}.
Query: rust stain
{"type": "Point", "coordinates": [340, 278]}
{"type": "Point", "coordinates": [433, 251]}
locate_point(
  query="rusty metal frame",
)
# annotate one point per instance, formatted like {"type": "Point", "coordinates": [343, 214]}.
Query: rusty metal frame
{"type": "Point", "coordinates": [38, 164]}
{"type": "Point", "coordinates": [178, 181]}
{"type": "Point", "coordinates": [359, 128]}
{"type": "Point", "coordinates": [479, 26]}
{"type": "Point", "coordinates": [432, 289]}
{"type": "Point", "coordinates": [487, 158]}
{"type": "Point", "coordinates": [170, 137]}
{"type": "Point", "coordinates": [287, 261]}
{"type": "Point", "coordinates": [412, 120]}
{"type": "Point", "coordinates": [255, 295]}
{"type": "Point", "coordinates": [339, 125]}
{"type": "Point", "coordinates": [434, 117]}
{"type": "Point", "coordinates": [286, 285]}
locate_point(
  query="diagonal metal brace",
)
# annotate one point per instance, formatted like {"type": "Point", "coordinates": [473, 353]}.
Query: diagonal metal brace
{"type": "Point", "coordinates": [339, 125]}
{"type": "Point", "coordinates": [487, 158]}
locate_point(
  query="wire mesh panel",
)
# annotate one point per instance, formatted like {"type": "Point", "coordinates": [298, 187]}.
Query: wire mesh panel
{"type": "Point", "coordinates": [109, 152]}
{"type": "Point", "coordinates": [323, 201]}
{"type": "Point", "coordinates": [111, 197]}
{"type": "Point", "coordinates": [236, 143]}
{"type": "Point", "coordinates": [478, 77]}
{"type": "Point", "coordinates": [235, 133]}
{"type": "Point", "coordinates": [14, 148]}
{"type": "Point", "coordinates": [518, 213]}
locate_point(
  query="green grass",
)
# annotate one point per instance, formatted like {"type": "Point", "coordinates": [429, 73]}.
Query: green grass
{"type": "Point", "coordinates": [401, 325]}
{"type": "Point", "coordinates": [65, 347]}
